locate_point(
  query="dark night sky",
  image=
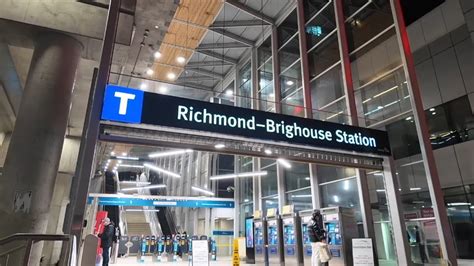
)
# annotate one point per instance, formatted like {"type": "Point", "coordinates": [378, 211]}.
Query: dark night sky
{"type": "Point", "coordinates": [414, 9]}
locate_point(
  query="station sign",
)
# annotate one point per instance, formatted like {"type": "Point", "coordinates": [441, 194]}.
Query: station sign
{"type": "Point", "coordinates": [125, 201]}
{"type": "Point", "coordinates": [134, 106]}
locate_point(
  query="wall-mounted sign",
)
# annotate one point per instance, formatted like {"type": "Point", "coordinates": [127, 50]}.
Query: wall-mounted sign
{"type": "Point", "coordinates": [362, 251]}
{"type": "Point", "coordinates": [123, 201]}
{"type": "Point", "coordinates": [135, 106]}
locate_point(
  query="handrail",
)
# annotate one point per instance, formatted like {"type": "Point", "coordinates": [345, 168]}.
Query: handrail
{"type": "Point", "coordinates": [30, 239]}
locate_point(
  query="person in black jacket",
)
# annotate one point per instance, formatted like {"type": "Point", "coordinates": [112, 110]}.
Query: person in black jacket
{"type": "Point", "coordinates": [317, 236]}
{"type": "Point", "coordinates": [106, 239]}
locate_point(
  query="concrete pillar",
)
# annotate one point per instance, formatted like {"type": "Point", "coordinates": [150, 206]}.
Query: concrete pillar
{"type": "Point", "coordinates": [34, 152]}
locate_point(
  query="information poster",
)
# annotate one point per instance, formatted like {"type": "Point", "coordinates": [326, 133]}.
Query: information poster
{"type": "Point", "coordinates": [362, 251]}
{"type": "Point", "coordinates": [200, 253]}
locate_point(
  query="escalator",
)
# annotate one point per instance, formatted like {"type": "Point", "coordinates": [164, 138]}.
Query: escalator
{"type": "Point", "coordinates": [165, 216]}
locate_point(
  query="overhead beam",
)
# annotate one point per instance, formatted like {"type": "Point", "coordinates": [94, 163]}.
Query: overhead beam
{"type": "Point", "coordinates": [195, 79]}
{"type": "Point", "coordinates": [218, 45]}
{"type": "Point", "coordinates": [251, 11]}
{"type": "Point", "coordinates": [206, 73]}
{"type": "Point", "coordinates": [219, 56]}
{"type": "Point", "coordinates": [238, 23]}
{"type": "Point", "coordinates": [195, 86]}
{"type": "Point", "coordinates": [233, 36]}
{"type": "Point", "coordinates": [191, 65]}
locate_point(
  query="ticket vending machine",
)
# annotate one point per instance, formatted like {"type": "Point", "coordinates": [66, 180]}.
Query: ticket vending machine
{"type": "Point", "coordinates": [152, 246]}
{"type": "Point", "coordinates": [306, 243]}
{"type": "Point", "coordinates": [259, 237]}
{"type": "Point", "coordinates": [341, 227]}
{"type": "Point", "coordinates": [292, 239]}
{"type": "Point", "coordinates": [275, 237]}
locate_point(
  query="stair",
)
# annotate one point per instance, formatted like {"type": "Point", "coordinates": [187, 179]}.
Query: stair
{"type": "Point", "coordinates": [136, 224]}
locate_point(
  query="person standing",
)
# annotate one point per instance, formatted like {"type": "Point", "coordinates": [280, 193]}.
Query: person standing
{"type": "Point", "coordinates": [317, 235]}
{"type": "Point", "coordinates": [106, 239]}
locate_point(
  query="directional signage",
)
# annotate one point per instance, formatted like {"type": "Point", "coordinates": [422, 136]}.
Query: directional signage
{"type": "Point", "coordinates": [122, 201]}
{"type": "Point", "coordinates": [134, 106]}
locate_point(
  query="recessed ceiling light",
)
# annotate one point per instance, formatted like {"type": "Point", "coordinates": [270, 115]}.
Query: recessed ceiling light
{"type": "Point", "coordinates": [180, 59]}
{"type": "Point", "coordinates": [408, 118]}
{"type": "Point", "coordinates": [149, 71]}
{"type": "Point", "coordinates": [163, 89]}
{"type": "Point", "coordinates": [156, 26]}
{"type": "Point", "coordinates": [289, 82]}
{"type": "Point", "coordinates": [143, 86]}
{"type": "Point", "coordinates": [171, 75]}
{"type": "Point", "coordinates": [124, 154]}
{"type": "Point", "coordinates": [432, 109]}
{"type": "Point", "coordinates": [284, 162]}
{"type": "Point", "coordinates": [112, 153]}
{"type": "Point", "coordinates": [268, 152]}
{"type": "Point", "coordinates": [157, 54]}
{"type": "Point", "coordinates": [229, 92]}
{"type": "Point", "coordinates": [219, 146]}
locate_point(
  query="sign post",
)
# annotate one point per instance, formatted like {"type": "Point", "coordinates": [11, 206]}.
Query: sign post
{"type": "Point", "coordinates": [235, 256]}
{"type": "Point", "coordinates": [362, 251]}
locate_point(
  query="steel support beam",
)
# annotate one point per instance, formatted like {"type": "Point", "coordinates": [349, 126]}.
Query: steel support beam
{"type": "Point", "coordinates": [192, 65]}
{"type": "Point", "coordinates": [207, 73]}
{"type": "Point", "coordinates": [250, 11]}
{"type": "Point", "coordinates": [219, 45]}
{"type": "Point", "coordinates": [238, 23]}
{"type": "Point", "coordinates": [436, 193]}
{"type": "Point", "coordinates": [219, 56]}
{"type": "Point", "coordinates": [233, 36]}
{"type": "Point", "coordinates": [85, 168]}
{"type": "Point", "coordinates": [308, 103]}
{"type": "Point", "coordinates": [276, 69]}
{"type": "Point", "coordinates": [195, 79]}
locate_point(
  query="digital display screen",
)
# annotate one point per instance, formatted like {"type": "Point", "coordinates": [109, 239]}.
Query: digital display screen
{"type": "Point", "coordinates": [304, 229]}
{"type": "Point", "coordinates": [249, 232]}
{"type": "Point", "coordinates": [289, 235]}
{"type": "Point", "coordinates": [272, 235]}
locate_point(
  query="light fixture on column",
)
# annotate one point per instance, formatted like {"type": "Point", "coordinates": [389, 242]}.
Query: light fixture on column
{"type": "Point", "coordinates": [202, 190]}
{"type": "Point", "coordinates": [161, 170]}
{"type": "Point", "coordinates": [284, 163]}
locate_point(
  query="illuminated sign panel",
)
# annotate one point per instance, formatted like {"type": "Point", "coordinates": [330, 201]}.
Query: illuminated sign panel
{"type": "Point", "coordinates": [162, 110]}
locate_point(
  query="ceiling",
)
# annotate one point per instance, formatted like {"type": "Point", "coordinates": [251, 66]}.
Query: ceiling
{"type": "Point", "coordinates": [212, 36]}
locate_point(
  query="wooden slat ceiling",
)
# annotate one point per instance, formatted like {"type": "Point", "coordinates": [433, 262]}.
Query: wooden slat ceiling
{"type": "Point", "coordinates": [200, 12]}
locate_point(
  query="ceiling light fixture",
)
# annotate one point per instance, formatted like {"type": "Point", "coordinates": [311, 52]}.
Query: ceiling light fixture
{"type": "Point", "coordinates": [149, 71]}
{"type": "Point", "coordinates": [180, 59]}
{"type": "Point", "coordinates": [168, 153]}
{"type": "Point", "coordinates": [130, 166]}
{"type": "Point", "coordinates": [161, 170]}
{"type": "Point", "coordinates": [268, 152]}
{"type": "Point", "coordinates": [143, 86]}
{"type": "Point", "coordinates": [284, 162]}
{"type": "Point", "coordinates": [204, 191]}
{"type": "Point", "coordinates": [289, 82]}
{"type": "Point", "coordinates": [415, 188]}
{"type": "Point", "coordinates": [229, 92]}
{"type": "Point", "coordinates": [143, 187]}
{"type": "Point", "coordinates": [145, 183]}
{"type": "Point", "coordinates": [171, 75]}
{"type": "Point", "coordinates": [163, 89]}
{"type": "Point", "coordinates": [112, 153]}
{"type": "Point", "coordinates": [128, 158]}
{"type": "Point", "coordinates": [157, 54]}
{"type": "Point", "coordinates": [247, 174]}
{"type": "Point", "coordinates": [219, 146]}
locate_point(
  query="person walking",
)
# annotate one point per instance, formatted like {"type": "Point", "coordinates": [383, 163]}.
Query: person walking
{"type": "Point", "coordinates": [317, 235]}
{"type": "Point", "coordinates": [106, 239]}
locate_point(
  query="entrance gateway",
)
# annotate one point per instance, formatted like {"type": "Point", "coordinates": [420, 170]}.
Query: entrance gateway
{"type": "Point", "coordinates": [136, 117]}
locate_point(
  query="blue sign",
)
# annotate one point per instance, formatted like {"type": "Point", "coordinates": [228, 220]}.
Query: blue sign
{"type": "Point", "coordinates": [122, 104]}
{"type": "Point", "coordinates": [222, 233]}
{"type": "Point", "coordinates": [183, 203]}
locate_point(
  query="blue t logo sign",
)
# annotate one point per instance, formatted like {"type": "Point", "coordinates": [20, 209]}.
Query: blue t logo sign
{"type": "Point", "coordinates": [122, 104]}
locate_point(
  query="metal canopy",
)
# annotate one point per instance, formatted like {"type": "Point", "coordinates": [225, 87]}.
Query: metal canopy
{"type": "Point", "coordinates": [205, 141]}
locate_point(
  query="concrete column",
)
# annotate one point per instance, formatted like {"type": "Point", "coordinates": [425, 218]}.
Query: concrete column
{"type": "Point", "coordinates": [33, 156]}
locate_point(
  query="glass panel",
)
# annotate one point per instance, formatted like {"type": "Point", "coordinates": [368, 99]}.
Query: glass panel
{"type": "Point", "coordinates": [327, 88]}
{"type": "Point", "coordinates": [331, 173]}
{"type": "Point", "coordinates": [267, 98]}
{"type": "Point", "coordinates": [351, 6]}
{"type": "Point", "coordinates": [336, 112]}
{"type": "Point", "coordinates": [269, 203]}
{"type": "Point", "coordinates": [246, 184]}
{"type": "Point", "coordinates": [269, 181]}
{"type": "Point", "coordinates": [264, 51]}
{"type": "Point", "coordinates": [245, 89]}
{"type": "Point", "coordinates": [289, 54]}
{"type": "Point", "coordinates": [311, 7]}
{"type": "Point", "coordinates": [324, 56]}
{"type": "Point", "coordinates": [301, 199]}
{"type": "Point", "coordinates": [294, 104]}
{"type": "Point", "coordinates": [403, 138]}
{"type": "Point", "coordinates": [290, 80]}
{"type": "Point", "coordinates": [297, 176]}
{"type": "Point", "coordinates": [343, 193]}
{"type": "Point", "coordinates": [287, 28]}
{"type": "Point", "coordinates": [385, 98]}
{"type": "Point", "coordinates": [321, 26]}
{"type": "Point", "coordinates": [368, 23]}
